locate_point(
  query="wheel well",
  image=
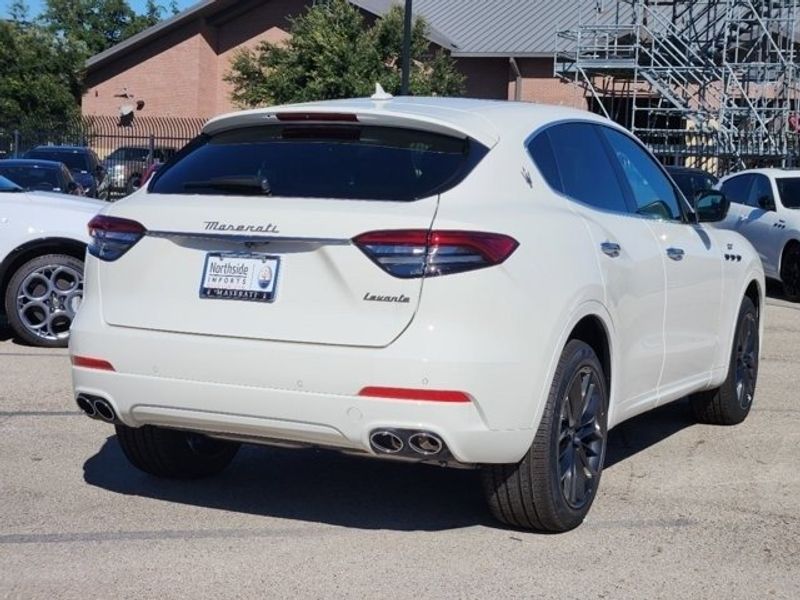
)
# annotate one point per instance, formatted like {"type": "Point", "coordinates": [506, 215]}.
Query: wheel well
{"type": "Point", "coordinates": [752, 292]}
{"type": "Point", "coordinates": [789, 244]}
{"type": "Point", "coordinates": [592, 331]}
{"type": "Point", "coordinates": [19, 256]}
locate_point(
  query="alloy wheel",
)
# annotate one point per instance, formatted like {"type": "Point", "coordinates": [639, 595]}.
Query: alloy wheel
{"type": "Point", "coordinates": [47, 300]}
{"type": "Point", "coordinates": [746, 360]}
{"type": "Point", "coordinates": [581, 440]}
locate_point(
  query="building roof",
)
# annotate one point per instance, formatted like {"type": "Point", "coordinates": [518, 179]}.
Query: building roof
{"type": "Point", "coordinates": [516, 28]}
{"type": "Point", "coordinates": [465, 27]}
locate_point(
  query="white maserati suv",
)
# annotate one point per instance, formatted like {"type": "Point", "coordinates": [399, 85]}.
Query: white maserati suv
{"type": "Point", "coordinates": [460, 282]}
{"type": "Point", "coordinates": [764, 209]}
{"type": "Point", "coordinates": [43, 241]}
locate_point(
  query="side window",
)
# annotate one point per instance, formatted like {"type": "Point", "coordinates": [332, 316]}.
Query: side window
{"type": "Point", "coordinates": [761, 193]}
{"type": "Point", "coordinates": [653, 192]}
{"type": "Point", "coordinates": [542, 154]}
{"type": "Point", "coordinates": [737, 189]}
{"type": "Point", "coordinates": [587, 173]}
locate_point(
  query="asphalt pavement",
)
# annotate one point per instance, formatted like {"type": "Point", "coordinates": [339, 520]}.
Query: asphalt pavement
{"type": "Point", "coordinates": [684, 510]}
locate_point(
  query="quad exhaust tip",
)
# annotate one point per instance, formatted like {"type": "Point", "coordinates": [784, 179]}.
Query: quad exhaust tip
{"type": "Point", "coordinates": [425, 443]}
{"type": "Point", "coordinates": [386, 442]}
{"type": "Point", "coordinates": [408, 443]}
{"type": "Point", "coordinates": [96, 408]}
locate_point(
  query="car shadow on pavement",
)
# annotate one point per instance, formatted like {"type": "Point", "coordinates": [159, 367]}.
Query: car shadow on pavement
{"type": "Point", "coordinates": [639, 433]}
{"type": "Point", "coordinates": [327, 487]}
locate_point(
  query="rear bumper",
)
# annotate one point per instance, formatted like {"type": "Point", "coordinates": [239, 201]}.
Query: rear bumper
{"type": "Point", "coordinates": [297, 393]}
{"type": "Point", "coordinates": [343, 422]}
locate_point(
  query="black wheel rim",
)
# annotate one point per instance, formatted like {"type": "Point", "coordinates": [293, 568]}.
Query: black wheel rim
{"type": "Point", "coordinates": [746, 360]}
{"type": "Point", "coordinates": [581, 439]}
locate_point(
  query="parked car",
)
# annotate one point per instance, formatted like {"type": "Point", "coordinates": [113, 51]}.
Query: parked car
{"type": "Point", "coordinates": [126, 165]}
{"type": "Point", "coordinates": [43, 240]}
{"type": "Point", "coordinates": [692, 181]}
{"type": "Point", "coordinates": [459, 282]}
{"type": "Point", "coordinates": [40, 175]}
{"type": "Point", "coordinates": [764, 209]}
{"type": "Point", "coordinates": [82, 162]}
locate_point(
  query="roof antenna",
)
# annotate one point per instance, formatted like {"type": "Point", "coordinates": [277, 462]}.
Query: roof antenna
{"type": "Point", "coordinates": [380, 93]}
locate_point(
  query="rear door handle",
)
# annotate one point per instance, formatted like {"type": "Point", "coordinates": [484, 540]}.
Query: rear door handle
{"type": "Point", "coordinates": [610, 249]}
{"type": "Point", "coordinates": [675, 253]}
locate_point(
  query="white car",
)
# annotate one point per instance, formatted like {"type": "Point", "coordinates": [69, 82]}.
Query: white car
{"type": "Point", "coordinates": [764, 209]}
{"type": "Point", "coordinates": [43, 238]}
{"type": "Point", "coordinates": [460, 282]}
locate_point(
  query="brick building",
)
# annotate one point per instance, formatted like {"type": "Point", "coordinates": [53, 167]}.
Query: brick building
{"type": "Point", "coordinates": [176, 68]}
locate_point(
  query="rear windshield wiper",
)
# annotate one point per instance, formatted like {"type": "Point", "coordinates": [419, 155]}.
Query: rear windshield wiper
{"type": "Point", "coordinates": [252, 184]}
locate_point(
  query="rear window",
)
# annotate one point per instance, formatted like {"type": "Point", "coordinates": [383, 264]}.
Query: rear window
{"type": "Point", "coordinates": [789, 189]}
{"type": "Point", "coordinates": [339, 162]}
{"type": "Point", "coordinates": [32, 178]}
{"type": "Point", "coordinates": [74, 160]}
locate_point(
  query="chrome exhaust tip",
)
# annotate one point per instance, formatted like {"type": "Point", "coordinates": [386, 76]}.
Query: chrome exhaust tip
{"type": "Point", "coordinates": [86, 405]}
{"type": "Point", "coordinates": [386, 442]}
{"type": "Point", "coordinates": [104, 410]}
{"type": "Point", "coordinates": [428, 444]}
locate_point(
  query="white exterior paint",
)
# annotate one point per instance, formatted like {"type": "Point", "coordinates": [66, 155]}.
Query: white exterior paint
{"type": "Point", "coordinates": [30, 216]}
{"type": "Point", "coordinates": [768, 230]}
{"type": "Point", "coordinates": [494, 333]}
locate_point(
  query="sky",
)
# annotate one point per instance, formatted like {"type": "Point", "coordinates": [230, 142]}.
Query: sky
{"type": "Point", "coordinates": [137, 5]}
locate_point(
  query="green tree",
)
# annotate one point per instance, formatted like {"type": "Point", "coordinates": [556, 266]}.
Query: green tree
{"type": "Point", "coordinates": [95, 25]}
{"type": "Point", "coordinates": [36, 86]}
{"type": "Point", "coordinates": [334, 54]}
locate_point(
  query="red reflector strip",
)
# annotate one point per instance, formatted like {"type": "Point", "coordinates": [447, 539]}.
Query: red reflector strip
{"type": "Point", "coordinates": [91, 363]}
{"type": "Point", "coordinates": [414, 394]}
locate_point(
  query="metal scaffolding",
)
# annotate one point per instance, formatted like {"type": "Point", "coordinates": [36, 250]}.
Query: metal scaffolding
{"type": "Point", "coordinates": [709, 83]}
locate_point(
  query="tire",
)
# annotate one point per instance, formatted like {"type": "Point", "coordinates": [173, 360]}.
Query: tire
{"type": "Point", "coordinates": [535, 493]}
{"type": "Point", "coordinates": [174, 454]}
{"type": "Point", "coordinates": [42, 298]}
{"type": "Point", "coordinates": [730, 403]}
{"type": "Point", "coordinates": [790, 272]}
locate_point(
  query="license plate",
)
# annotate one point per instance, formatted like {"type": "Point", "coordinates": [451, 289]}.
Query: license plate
{"type": "Point", "coordinates": [229, 276]}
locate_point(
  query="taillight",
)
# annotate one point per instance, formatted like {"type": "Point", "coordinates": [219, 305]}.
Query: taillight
{"type": "Point", "coordinates": [113, 236]}
{"type": "Point", "coordinates": [417, 252]}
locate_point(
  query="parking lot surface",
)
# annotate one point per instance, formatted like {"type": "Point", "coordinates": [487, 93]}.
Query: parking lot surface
{"type": "Point", "coordinates": [684, 510]}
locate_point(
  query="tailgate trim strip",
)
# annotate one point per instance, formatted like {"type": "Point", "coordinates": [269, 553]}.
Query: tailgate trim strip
{"type": "Point", "coordinates": [249, 239]}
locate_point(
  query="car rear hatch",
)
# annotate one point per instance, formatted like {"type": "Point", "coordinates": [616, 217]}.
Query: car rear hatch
{"type": "Point", "coordinates": [249, 232]}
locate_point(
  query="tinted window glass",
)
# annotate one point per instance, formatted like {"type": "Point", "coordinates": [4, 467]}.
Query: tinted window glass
{"type": "Point", "coordinates": [736, 189]}
{"type": "Point", "coordinates": [691, 183]}
{"type": "Point", "coordinates": [32, 178]}
{"type": "Point", "coordinates": [760, 192]}
{"type": "Point", "coordinates": [357, 162]}
{"type": "Point", "coordinates": [653, 192]}
{"type": "Point", "coordinates": [587, 173]}
{"type": "Point", "coordinates": [73, 160]}
{"type": "Point", "coordinates": [789, 190]}
{"type": "Point", "coordinates": [120, 154]}
{"type": "Point", "coordinates": [542, 154]}
{"type": "Point", "coordinates": [6, 185]}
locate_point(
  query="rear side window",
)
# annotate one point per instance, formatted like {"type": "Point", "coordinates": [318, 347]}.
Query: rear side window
{"type": "Point", "coordinates": [331, 161]}
{"type": "Point", "coordinates": [789, 190]}
{"type": "Point", "coordinates": [737, 189]}
{"type": "Point", "coordinates": [586, 172]}
{"type": "Point", "coordinates": [761, 192]}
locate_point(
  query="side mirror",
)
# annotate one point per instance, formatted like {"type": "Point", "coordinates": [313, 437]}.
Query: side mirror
{"type": "Point", "coordinates": [73, 188]}
{"type": "Point", "coordinates": [711, 206]}
{"type": "Point", "coordinates": [766, 203]}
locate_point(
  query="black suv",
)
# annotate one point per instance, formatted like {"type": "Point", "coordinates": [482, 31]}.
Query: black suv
{"type": "Point", "coordinates": [81, 161]}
